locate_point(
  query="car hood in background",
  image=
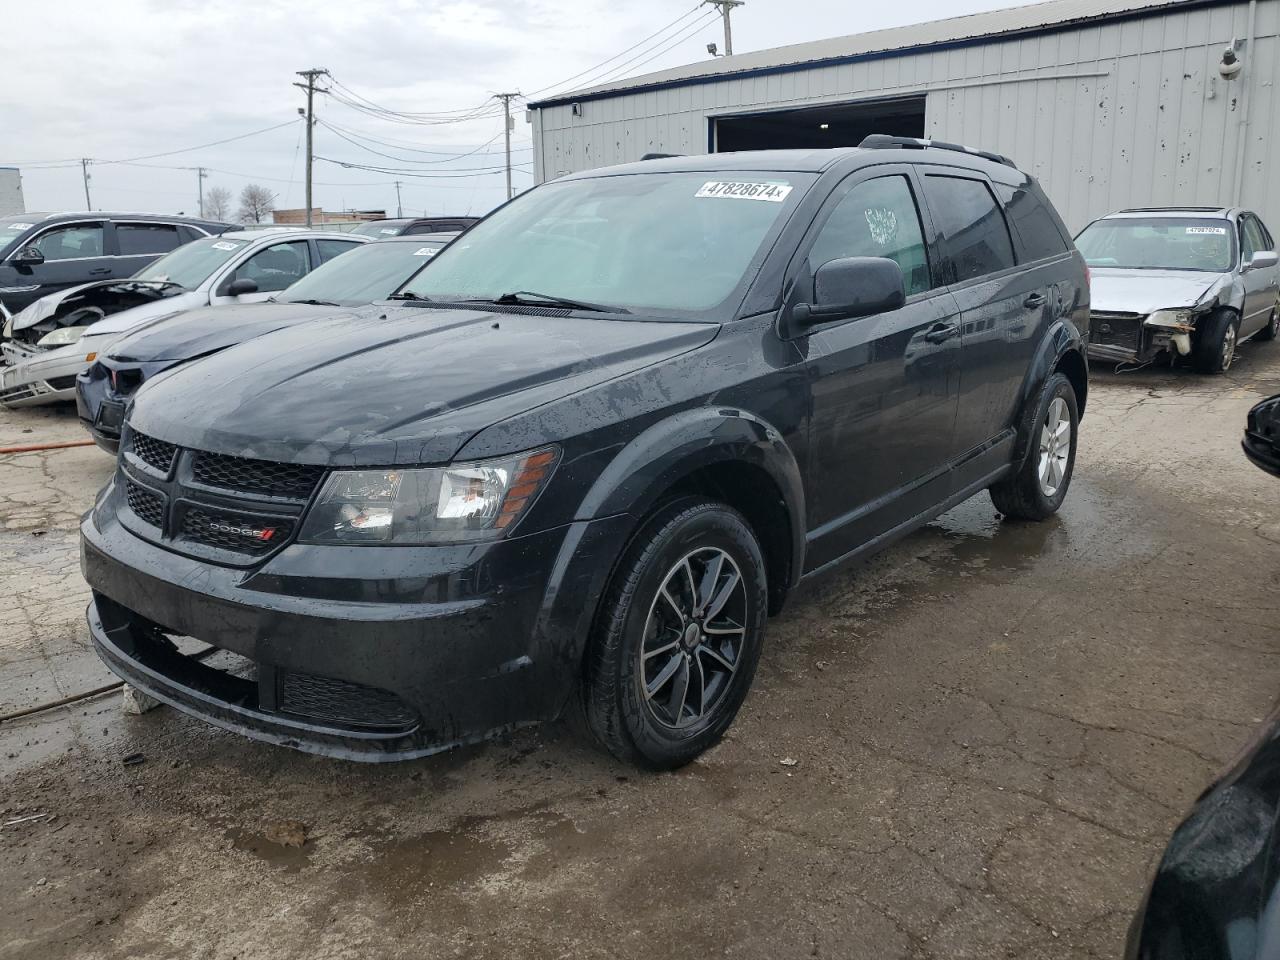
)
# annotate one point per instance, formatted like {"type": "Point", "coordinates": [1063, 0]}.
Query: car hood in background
{"type": "Point", "coordinates": [86, 295]}
{"type": "Point", "coordinates": [395, 385]}
{"type": "Point", "coordinates": [205, 330]}
{"type": "Point", "coordinates": [1117, 290]}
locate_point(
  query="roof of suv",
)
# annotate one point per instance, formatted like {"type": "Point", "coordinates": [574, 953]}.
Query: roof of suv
{"type": "Point", "coordinates": [114, 215]}
{"type": "Point", "coordinates": [275, 233]}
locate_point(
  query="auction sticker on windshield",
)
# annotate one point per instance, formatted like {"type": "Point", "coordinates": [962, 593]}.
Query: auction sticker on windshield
{"type": "Point", "coordinates": [224, 245]}
{"type": "Point", "coordinates": [1211, 231]}
{"type": "Point", "coordinates": [21, 226]}
{"type": "Point", "coordinates": [773, 191]}
{"type": "Point", "coordinates": [425, 252]}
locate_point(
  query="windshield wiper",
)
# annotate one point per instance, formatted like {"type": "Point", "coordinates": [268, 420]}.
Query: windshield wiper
{"type": "Point", "coordinates": [531, 298]}
{"type": "Point", "coordinates": [410, 295]}
{"type": "Point", "coordinates": [314, 303]}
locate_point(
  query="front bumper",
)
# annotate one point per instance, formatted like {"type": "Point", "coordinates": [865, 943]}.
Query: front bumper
{"type": "Point", "coordinates": [31, 377]}
{"type": "Point", "coordinates": [364, 653]}
{"type": "Point", "coordinates": [1135, 338]}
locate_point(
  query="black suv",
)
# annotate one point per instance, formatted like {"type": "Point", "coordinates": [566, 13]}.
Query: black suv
{"type": "Point", "coordinates": [42, 253]}
{"type": "Point", "coordinates": [604, 434]}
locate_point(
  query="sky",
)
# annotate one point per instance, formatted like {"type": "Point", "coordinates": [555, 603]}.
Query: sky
{"type": "Point", "coordinates": [127, 80]}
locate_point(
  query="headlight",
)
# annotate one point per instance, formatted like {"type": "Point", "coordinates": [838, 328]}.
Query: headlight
{"type": "Point", "coordinates": [62, 337]}
{"type": "Point", "coordinates": [462, 502]}
{"type": "Point", "coordinates": [1182, 320]}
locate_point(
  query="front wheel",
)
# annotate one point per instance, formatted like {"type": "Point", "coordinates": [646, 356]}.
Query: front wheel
{"type": "Point", "coordinates": [677, 641]}
{"type": "Point", "coordinates": [1038, 487]}
{"type": "Point", "coordinates": [1272, 328]}
{"type": "Point", "coordinates": [1215, 346]}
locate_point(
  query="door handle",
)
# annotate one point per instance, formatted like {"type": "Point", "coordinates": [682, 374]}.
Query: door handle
{"type": "Point", "coordinates": [1035, 300]}
{"type": "Point", "coordinates": [100, 272]}
{"type": "Point", "coordinates": [940, 332]}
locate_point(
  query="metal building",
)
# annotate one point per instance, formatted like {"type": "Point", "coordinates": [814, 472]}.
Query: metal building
{"type": "Point", "coordinates": [11, 201]}
{"type": "Point", "coordinates": [1110, 103]}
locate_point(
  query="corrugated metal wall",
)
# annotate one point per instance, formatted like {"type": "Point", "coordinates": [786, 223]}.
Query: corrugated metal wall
{"type": "Point", "coordinates": [1130, 113]}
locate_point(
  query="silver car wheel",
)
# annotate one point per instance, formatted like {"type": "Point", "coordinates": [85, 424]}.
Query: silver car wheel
{"type": "Point", "coordinates": [1055, 447]}
{"type": "Point", "coordinates": [693, 638]}
{"type": "Point", "coordinates": [1228, 347]}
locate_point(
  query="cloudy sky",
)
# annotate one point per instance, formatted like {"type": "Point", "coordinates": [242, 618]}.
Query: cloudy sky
{"type": "Point", "coordinates": [133, 79]}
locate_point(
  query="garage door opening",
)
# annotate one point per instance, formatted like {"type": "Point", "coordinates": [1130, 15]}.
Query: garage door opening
{"type": "Point", "coordinates": [831, 125]}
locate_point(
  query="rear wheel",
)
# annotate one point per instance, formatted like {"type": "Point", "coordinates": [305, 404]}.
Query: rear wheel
{"type": "Point", "coordinates": [676, 645]}
{"type": "Point", "coordinates": [1037, 489]}
{"type": "Point", "coordinates": [1215, 346]}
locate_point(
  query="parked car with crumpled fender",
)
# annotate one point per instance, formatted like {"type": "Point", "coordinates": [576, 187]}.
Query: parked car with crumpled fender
{"type": "Point", "coordinates": [56, 337]}
{"type": "Point", "coordinates": [1189, 282]}
{"type": "Point", "coordinates": [370, 272]}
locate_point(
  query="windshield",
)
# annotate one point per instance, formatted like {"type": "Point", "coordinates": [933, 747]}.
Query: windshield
{"type": "Point", "coordinates": [372, 271]}
{"type": "Point", "coordinates": [680, 242]}
{"type": "Point", "coordinates": [192, 264]}
{"type": "Point", "coordinates": [11, 228]}
{"type": "Point", "coordinates": [380, 228]}
{"type": "Point", "coordinates": [1159, 243]}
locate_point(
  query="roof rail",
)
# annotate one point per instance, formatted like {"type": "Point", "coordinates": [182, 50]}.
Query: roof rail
{"type": "Point", "coordinates": [1174, 209]}
{"type": "Point", "coordinates": [660, 156]}
{"type": "Point", "coordinates": [882, 141]}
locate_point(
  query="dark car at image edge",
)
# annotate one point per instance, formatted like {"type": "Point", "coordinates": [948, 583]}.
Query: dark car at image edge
{"type": "Point", "coordinates": [603, 436]}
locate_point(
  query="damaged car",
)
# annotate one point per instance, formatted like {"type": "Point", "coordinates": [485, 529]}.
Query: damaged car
{"type": "Point", "coordinates": [371, 272]}
{"type": "Point", "coordinates": [55, 338]}
{"type": "Point", "coordinates": [1189, 282]}
{"type": "Point", "coordinates": [591, 448]}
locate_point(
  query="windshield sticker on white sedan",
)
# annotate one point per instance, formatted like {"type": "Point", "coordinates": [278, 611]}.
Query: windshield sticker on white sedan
{"type": "Point", "coordinates": [425, 252]}
{"type": "Point", "coordinates": [21, 226]}
{"type": "Point", "coordinates": [390, 233]}
{"type": "Point", "coordinates": [1210, 231]}
{"type": "Point", "coordinates": [224, 245]}
{"type": "Point", "coordinates": [773, 191]}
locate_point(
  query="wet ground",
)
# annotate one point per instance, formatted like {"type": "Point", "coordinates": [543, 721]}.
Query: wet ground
{"type": "Point", "coordinates": [972, 747]}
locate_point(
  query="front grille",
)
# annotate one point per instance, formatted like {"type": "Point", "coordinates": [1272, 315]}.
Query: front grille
{"type": "Point", "coordinates": [228, 531]}
{"type": "Point", "coordinates": [154, 453]}
{"type": "Point", "coordinates": [1116, 330]}
{"type": "Point", "coordinates": [148, 507]}
{"type": "Point", "coordinates": [125, 382]}
{"type": "Point", "coordinates": [262, 477]}
{"type": "Point", "coordinates": [62, 383]}
{"type": "Point", "coordinates": [341, 701]}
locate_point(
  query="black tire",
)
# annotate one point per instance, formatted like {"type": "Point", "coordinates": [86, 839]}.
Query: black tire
{"type": "Point", "coordinates": [1215, 343]}
{"type": "Point", "coordinates": [635, 618]}
{"type": "Point", "coordinates": [1023, 494]}
{"type": "Point", "coordinates": [1272, 328]}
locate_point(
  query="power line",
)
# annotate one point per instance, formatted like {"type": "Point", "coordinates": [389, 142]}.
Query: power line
{"type": "Point", "coordinates": [56, 164]}
{"type": "Point", "coordinates": [410, 146]}
{"type": "Point", "coordinates": [629, 67]}
{"type": "Point", "coordinates": [388, 156]}
{"type": "Point", "coordinates": [453, 175]}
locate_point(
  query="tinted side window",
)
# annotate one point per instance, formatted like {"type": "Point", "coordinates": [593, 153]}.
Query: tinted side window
{"type": "Point", "coordinates": [332, 248]}
{"type": "Point", "coordinates": [135, 239]}
{"type": "Point", "coordinates": [277, 266]}
{"type": "Point", "coordinates": [973, 228]}
{"type": "Point", "coordinates": [1266, 234]}
{"type": "Point", "coordinates": [1035, 232]}
{"type": "Point", "coordinates": [876, 218]}
{"type": "Point", "coordinates": [421, 228]}
{"type": "Point", "coordinates": [74, 242]}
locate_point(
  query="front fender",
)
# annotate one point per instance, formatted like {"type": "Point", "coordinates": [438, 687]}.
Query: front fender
{"type": "Point", "coordinates": [1062, 338]}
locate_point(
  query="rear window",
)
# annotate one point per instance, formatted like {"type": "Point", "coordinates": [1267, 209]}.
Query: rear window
{"type": "Point", "coordinates": [1035, 230]}
{"type": "Point", "coordinates": [137, 239]}
{"type": "Point", "coordinates": [976, 235]}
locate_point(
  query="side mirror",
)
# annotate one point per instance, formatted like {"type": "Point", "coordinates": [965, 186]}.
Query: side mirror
{"type": "Point", "coordinates": [1263, 259]}
{"type": "Point", "coordinates": [29, 257]}
{"type": "Point", "coordinates": [241, 286]}
{"type": "Point", "coordinates": [852, 287]}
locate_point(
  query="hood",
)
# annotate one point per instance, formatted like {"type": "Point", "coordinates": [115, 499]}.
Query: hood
{"type": "Point", "coordinates": [1115, 290]}
{"type": "Point", "coordinates": [128, 319]}
{"type": "Point", "coordinates": [48, 305]}
{"type": "Point", "coordinates": [206, 330]}
{"type": "Point", "coordinates": [396, 385]}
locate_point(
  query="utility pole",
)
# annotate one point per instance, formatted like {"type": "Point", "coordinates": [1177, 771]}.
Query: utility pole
{"type": "Point", "coordinates": [506, 99]}
{"type": "Point", "coordinates": [200, 175]}
{"type": "Point", "coordinates": [399, 208]}
{"type": "Point", "coordinates": [310, 88]}
{"type": "Point", "coordinates": [726, 6]}
{"type": "Point", "coordinates": [84, 169]}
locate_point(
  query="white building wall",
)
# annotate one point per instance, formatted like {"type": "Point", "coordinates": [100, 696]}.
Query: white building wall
{"type": "Point", "coordinates": [1129, 113]}
{"type": "Point", "coordinates": [11, 201]}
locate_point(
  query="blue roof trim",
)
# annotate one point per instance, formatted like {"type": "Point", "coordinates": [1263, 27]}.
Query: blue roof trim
{"type": "Point", "coordinates": [1060, 27]}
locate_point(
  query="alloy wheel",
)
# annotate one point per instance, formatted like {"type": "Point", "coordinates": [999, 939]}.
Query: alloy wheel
{"type": "Point", "coordinates": [1228, 347]}
{"type": "Point", "coordinates": [693, 638]}
{"type": "Point", "coordinates": [1055, 447]}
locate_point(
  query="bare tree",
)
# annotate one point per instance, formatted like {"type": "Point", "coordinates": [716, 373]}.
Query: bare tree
{"type": "Point", "coordinates": [217, 203]}
{"type": "Point", "coordinates": [256, 203]}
